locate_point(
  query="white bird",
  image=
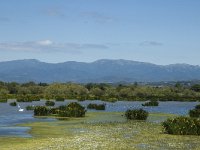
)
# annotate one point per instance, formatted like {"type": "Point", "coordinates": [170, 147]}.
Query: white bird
{"type": "Point", "coordinates": [20, 109]}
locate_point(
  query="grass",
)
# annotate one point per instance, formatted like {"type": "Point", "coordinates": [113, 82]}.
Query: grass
{"type": "Point", "coordinates": [100, 130]}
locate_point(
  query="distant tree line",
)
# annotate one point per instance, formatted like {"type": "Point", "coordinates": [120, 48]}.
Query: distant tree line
{"type": "Point", "coordinates": [102, 91]}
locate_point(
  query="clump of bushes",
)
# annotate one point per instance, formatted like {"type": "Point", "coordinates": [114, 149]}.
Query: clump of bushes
{"type": "Point", "coordinates": [136, 114]}
{"type": "Point", "coordinates": [41, 111]}
{"type": "Point", "coordinates": [151, 103]}
{"type": "Point", "coordinates": [96, 106]}
{"type": "Point", "coordinates": [30, 107]}
{"type": "Point", "coordinates": [182, 126]}
{"type": "Point", "coordinates": [13, 104]}
{"type": "Point", "coordinates": [54, 111]}
{"type": "Point", "coordinates": [197, 106]}
{"type": "Point", "coordinates": [49, 103]}
{"type": "Point", "coordinates": [62, 107]}
{"type": "Point", "coordinates": [73, 109]}
{"type": "Point", "coordinates": [195, 112]}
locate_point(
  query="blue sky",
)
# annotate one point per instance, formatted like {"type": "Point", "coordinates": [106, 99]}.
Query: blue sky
{"type": "Point", "coordinates": [160, 32]}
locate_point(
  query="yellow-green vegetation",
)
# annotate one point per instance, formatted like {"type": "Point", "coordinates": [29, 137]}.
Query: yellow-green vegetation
{"type": "Point", "coordinates": [136, 114]}
{"type": "Point", "coordinates": [182, 126]}
{"type": "Point", "coordinates": [100, 130]}
{"type": "Point", "coordinates": [195, 112]}
{"type": "Point", "coordinates": [28, 92]}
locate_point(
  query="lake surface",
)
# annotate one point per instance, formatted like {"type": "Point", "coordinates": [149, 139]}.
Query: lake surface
{"type": "Point", "coordinates": [10, 116]}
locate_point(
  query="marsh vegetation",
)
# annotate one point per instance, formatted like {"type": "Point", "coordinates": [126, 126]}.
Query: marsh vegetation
{"type": "Point", "coordinates": [126, 122]}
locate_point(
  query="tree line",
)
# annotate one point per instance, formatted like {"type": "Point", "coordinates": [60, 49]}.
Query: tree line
{"type": "Point", "coordinates": [102, 91]}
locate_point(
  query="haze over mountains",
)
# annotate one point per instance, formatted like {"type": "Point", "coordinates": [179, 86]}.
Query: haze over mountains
{"type": "Point", "coordinates": [104, 70]}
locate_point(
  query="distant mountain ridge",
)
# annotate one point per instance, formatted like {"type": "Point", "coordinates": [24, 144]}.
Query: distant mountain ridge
{"type": "Point", "coordinates": [103, 70]}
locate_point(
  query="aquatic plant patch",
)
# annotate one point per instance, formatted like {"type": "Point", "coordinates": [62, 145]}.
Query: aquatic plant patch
{"type": "Point", "coordinates": [151, 103]}
{"type": "Point", "coordinates": [30, 107]}
{"type": "Point", "coordinates": [13, 104]}
{"type": "Point", "coordinates": [41, 111]}
{"type": "Point", "coordinates": [136, 114]}
{"type": "Point", "coordinates": [49, 103]}
{"type": "Point", "coordinates": [97, 106]}
{"type": "Point", "coordinates": [73, 109]}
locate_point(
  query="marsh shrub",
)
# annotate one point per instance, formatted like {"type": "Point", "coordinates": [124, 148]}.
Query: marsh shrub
{"type": "Point", "coordinates": [30, 107]}
{"type": "Point", "coordinates": [73, 109]}
{"type": "Point", "coordinates": [195, 112]}
{"type": "Point", "coordinates": [62, 107]}
{"type": "Point", "coordinates": [54, 111]}
{"type": "Point", "coordinates": [41, 111]}
{"type": "Point", "coordinates": [13, 104]}
{"type": "Point", "coordinates": [151, 103]}
{"type": "Point", "coordinates": [96, 106]}
{"type": "Point", "coordinates": [197, 106]}
{"type": "Point", "coordinates": [182, 126]}
{"type": "Point", "coordinates": [136, 114]}
{"type": "Point", "coordinates": [49, 103]}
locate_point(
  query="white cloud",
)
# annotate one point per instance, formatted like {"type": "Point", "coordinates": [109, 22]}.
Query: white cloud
{"type": "Point", "coordinates": [49, 46]}
{"type": "Point", "coordinates": [45, 42]}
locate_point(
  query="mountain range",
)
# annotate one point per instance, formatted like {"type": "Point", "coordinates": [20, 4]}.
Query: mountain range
{"type": "Point", "coordinates": [103, 70]}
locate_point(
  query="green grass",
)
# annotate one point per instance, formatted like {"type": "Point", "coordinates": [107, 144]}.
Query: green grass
{"type": "Point", "coordinates": [100, 130]}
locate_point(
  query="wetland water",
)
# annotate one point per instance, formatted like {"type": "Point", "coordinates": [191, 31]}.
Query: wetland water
{"type": "Point", "coordinates": [10, 116]}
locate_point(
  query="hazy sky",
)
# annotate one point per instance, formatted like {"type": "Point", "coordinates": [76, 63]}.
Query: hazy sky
{"type": "Point", "coordinates": [157, 31]}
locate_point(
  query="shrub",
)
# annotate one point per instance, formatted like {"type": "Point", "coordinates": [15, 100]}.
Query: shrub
{"type": "Point", "coordinates": [13, 104]}
{"type": "Point", "coordinates": [41, 111]}
{"type": "Point", "coordinates": [62, 107]}
{"type": "Point", "coordinates": [96, 106]}
{"type": "Point", "coordinates": [151, 103]}
{"type": "Point", "coordinates": [194, 113]}
{"type": "Point", "coordinates": [136, 114]}
{"type": "Point", "coordinates": [30, 107]}
{"type": "Point", "coordinates": [73, 109]}
{"type": "Point", "coordinates": [197, 106]}
{"type": "Point", "coordinates": [182, 126]}
{"type": "Point", "coordinates": [54, 111]}
{"type": "Point", "coordinates": [91, 106]}
{"type": "Point", "coordinates": [49, 103]}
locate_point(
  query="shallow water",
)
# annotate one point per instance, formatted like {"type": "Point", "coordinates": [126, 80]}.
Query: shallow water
{"type": "Point", "coordinates": [10, 116]}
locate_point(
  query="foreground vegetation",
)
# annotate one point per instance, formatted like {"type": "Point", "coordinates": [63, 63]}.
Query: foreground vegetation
{"type": "Point", "coordinates": [182, 126]}
{"type": "Point", "coordinates": [100, 131]}
{"type": "Point", "coordinates": [59, 91]}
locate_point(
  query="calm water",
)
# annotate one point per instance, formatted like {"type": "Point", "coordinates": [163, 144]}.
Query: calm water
{"type": "Point", "coordinates": [10, 116]}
